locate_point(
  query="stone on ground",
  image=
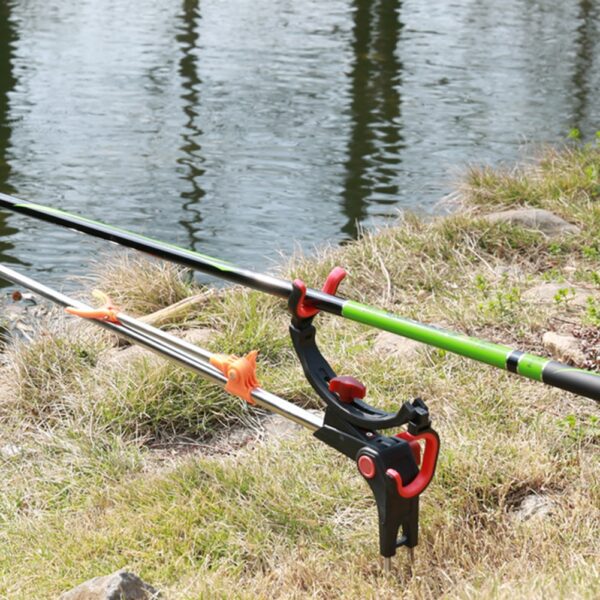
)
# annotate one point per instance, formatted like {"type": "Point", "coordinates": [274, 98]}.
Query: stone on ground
{"type": "Point", "coordinates": [534, 505]}
{"type": "Point", "coordinates": [533, 218]}
{"type": "Point", "coordinates": [10, 451]}
{"type": "Point", "coordinates": [391, 344]}
{"type": "Point", "coordinates": [120, 585]}
{"type": "Point", "coordinates": [565, 347]}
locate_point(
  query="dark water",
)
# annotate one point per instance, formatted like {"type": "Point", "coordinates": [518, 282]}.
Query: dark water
{"type": "Point", "coordinates": [245, 127]}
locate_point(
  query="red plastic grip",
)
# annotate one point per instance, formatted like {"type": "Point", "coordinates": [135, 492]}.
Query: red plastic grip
{"type": "Point", "coordinates": [304, 310]}
{"type": "Point", "coordinates": [333, 280]}
{"type": "Point", "coordinates": [421, 481]}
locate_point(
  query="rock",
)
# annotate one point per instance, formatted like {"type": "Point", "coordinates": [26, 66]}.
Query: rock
{"type": "Point", "coordinates": [566, 347]}
{"type": "Point", "coordinates": [547, 292]}
{"type": "Point", "coordinates": [17, 321]}
{"type": "Point", "coordinates": [120, 585]}
{"type": "Point", "coordinates": [534, 505]}
{"type": "Point", "coordinates": [534, 218]}
{"type": "Point", "coordinates": [391, 344]}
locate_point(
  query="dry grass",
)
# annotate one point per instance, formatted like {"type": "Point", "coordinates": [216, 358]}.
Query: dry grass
{"type": "Point", "coordinates": [139, 284]}
{"type": "Point", "coordinates": [85, 493]}
{"type": "Point", "coordinates": [49, 374]}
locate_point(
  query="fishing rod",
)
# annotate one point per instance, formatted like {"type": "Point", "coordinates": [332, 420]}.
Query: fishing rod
{"type": "Point", "coordinates": [551, 372]}
{"type": "Point", "coordinates": [398, 468]}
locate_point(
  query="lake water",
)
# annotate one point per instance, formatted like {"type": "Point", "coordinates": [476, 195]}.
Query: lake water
{"type": "Point", "coordinates": [249, 127]}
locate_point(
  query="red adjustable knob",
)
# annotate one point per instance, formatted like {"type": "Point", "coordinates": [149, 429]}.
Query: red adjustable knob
{"type": "Point", "coordinates": [347, 388]}
{"type": "Point", "coordinates": [366, 466]}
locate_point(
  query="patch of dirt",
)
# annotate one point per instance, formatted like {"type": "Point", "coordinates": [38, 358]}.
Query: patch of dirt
{"type": "Point", "coordinates": [534, 506]}
{"type": "Point", "coordinates": [261, 428]}
{"type": "Point", "coordinates": [224, 443]}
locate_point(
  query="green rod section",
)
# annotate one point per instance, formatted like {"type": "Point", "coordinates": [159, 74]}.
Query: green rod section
{"type": "Point", "coordinates": [487, 352]}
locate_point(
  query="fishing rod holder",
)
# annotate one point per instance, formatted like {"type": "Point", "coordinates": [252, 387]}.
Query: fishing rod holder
{"type": "Point", "coordinates": [396, 467]}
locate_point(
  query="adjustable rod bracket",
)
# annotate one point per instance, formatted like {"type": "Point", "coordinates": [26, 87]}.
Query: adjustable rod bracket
{"type": "Point", "coordinates": [397, 468]}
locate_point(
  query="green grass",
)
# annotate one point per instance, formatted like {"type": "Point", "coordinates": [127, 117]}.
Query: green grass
{"type": "Point", "coordinates": [127, 461]}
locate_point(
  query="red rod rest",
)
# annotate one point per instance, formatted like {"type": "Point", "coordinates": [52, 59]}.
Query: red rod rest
{"type": "Point", "coordinates": [421, 481]}
{"type": "Point", "coordinates": [304, 310]}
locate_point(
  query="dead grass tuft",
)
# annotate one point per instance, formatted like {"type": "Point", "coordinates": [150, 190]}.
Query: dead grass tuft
{"type": "Point", "coordinates": [141, 285]}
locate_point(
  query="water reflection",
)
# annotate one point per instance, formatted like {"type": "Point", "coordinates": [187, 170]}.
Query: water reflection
{"type": "Point", "coordinates": [375, 138]}
{"type": "Point", "coordinates": [587, 34]}
{"type": "Point", "coordinates": [192, 158]}
{"type": "Point", "coordinates": [7, 82]}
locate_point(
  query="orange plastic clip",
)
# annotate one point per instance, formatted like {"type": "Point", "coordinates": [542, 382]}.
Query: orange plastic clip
{"type": "Point", "coordinates": [240, 373]}
{"type": "Point", "coordinates": [107, 312]}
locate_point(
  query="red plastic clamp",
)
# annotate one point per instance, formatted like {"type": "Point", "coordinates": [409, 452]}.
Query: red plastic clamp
{"type": "Point", "coordinates": [304, 310]}
{"type": "Point", "coordinates": [421, 481]}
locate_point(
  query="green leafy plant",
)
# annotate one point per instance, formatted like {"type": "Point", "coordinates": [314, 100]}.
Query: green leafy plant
{"type": "Point", "coordinates": [555, 248]}
{"type": "Point", "coordinates": [564, 296]}
{"type": "Point", "coordinates": [553, 274]}
{"type": "Point", "coordinates": [590, 252]}
{"type": "Point", "coordinates": [502, 303]}
{"type": "Point", "coordinates": [592, 311]}
{"type": "Point", "coordinates": [591, 172]}
{"type": "Point", "coordinates": [482, 284]}
{"type": "Point", "coordinates": [579, 429]}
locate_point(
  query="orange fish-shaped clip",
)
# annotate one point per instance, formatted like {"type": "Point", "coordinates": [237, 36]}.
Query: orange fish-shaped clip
{"type": "Point", "coordinates": [106, 312]}
{"type": "Point", "coordinates": [240, 373]}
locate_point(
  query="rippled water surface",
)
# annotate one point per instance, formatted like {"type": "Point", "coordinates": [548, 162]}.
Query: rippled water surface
{"type": "Point", "coordinates": [246, 127]}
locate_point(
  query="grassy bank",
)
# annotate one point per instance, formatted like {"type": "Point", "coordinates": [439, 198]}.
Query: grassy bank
{"type": "Point", "coordinates": [112, 458]}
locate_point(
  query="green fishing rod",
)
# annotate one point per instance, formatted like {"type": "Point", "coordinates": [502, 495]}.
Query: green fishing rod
{"type": "Point", "coordinates": [551, 372]}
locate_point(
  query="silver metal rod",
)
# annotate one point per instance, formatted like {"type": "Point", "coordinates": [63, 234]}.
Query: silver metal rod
{"type": "Point", "coordinates": [181, 352]}
{"type": "Point", "coordinates": [162, 336]}
{"type": "Point", "coordinates": [387, 564]}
